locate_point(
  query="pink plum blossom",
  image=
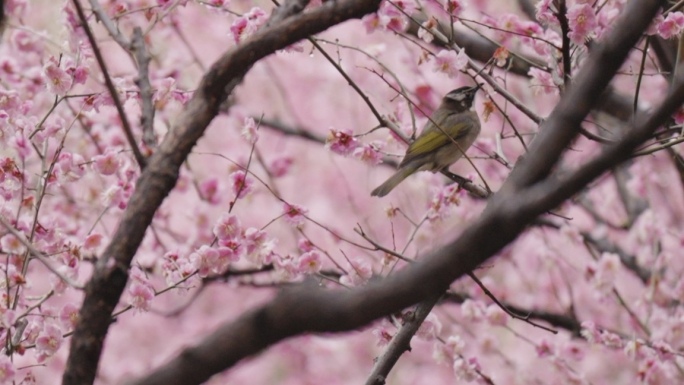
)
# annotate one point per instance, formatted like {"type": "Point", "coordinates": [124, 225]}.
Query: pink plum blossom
{"type": "Point", "coordinates": [358, 274]}
{"type": "Point", "coordinates": [21, 145]}
{"type": "Point", "coordinates": [389, 17]}
{"type": "Point", "coordinates": [249, 131]}
{"type": "Point", "coordinates": [454, 7]}
{"type": "Point", "coordinates": [68, 316]}
{"type": "Point", "coordinates": [114, 196]}
{"type": "Point", "coordinates": [92, 241]}
{"type": "Point", "coordinates": [141, 296]}
{"type": "Point", "coordinates": [582, 22]}
{"type": "Point", "coordinates": [245, 26]}
{"type": "Point", "coordinates": [58, 81]}
{"type": "Point", "coordinates": [369, 153]}
{"type": "Point", "coordinates": [473, 310]}
{"type": "Point", "coordinates": [383, 334]}
{"type": "Point", "coordinates": [447, 61]}
{"type": "Point", "coordinates": [542, 81]}
{"type": "Point", "coordinates": [294, 214]}
{"type": "Point", "coordinates": [430, 328]}
{"type": "Point", "coordinates": [48, 342]}
{"type": "Point", "coordinates": [257, 246]}
{"type": "Point", "coordinates": [496, 316]}
{"type": "Point", "coordinates": [26, 42]}
{"type": "Point", "coordinates": [166, 92]}
{"type": "Point", "coordinates": [281, 166]}
{"type": "Point", "coordinates": [679, 116]}
{"type": "Point", "coordinates": [341, 142]}
{"type": "Point", "coordinates": [672, 25]}
{"type": "Point", "coordinates": [241, 184]}
{"type": "Point", "coordinates": [210, 190]}
{"type": "Point", "coordinates": [424, 32]}
{"type": "Point", "coordinates": [12, 244]}
{"type": "Point", "coordinates": [448, 351]}
{"type": "Point", "coordinates": [466, 369]}
{"type": "Point", "coordinates": [69, 167]}
{"type": "Point", "coordinates": [107, 164]}
{"type": "Point", "coordinates": [309, 262]}
{"type": "Point", "coordinates": [228, 227]}
{"type": "Point", "coordinates": [371, 22]}
{"type": "Point", "coordinates": [58, 284]}
{"type": "Point", "coordinates": [7, 370]}
{"type": "Point", "coordinates": [545, 349]}
{"type": "Point", "coordinates": [208, 261]}
{"type": "Point", "coordinates": [305, 245]}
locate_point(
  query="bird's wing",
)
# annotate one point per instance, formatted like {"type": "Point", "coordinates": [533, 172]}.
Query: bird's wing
{"type": "Point", "coordinates": [433, 138]}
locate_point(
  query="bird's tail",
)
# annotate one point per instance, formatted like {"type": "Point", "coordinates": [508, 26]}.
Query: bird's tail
{"type": "Point", "coordinates": [393, 181]}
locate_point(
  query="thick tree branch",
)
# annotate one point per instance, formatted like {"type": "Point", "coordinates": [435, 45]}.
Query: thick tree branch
{"type": "Point", "coordinates": [603, 245]}
{"type": "Point", "coordinates": [477, 47]}
{"type": "Point", "coordinates": [401, 342]}
{"type": "Point", "coordinates": [482, 50]}
{"type": "Point", "coordinates": [146, 93]}
{"type": "Point", "coordinates": [596, 73]}
{"type": "Point", "coordinates": [2, 17]}
{"type": "Point", "coordinates": [305, 309]}
{"type": "Point", "coordinates": [159, 177]}
{"type": "Point", "coordinates": [528, 8]}
{"type": "Point", "coordinates": [549, 190]}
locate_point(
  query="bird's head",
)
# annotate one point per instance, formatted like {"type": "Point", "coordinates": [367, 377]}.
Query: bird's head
{"type": "Point", "coordinates": [461, 99]}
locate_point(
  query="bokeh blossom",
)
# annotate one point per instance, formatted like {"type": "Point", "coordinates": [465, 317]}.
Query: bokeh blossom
{"type": "Point", "coordinates": [582, 22]}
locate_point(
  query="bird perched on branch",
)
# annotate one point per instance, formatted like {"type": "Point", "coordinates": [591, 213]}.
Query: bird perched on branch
{"type": "Point", "coordinates": [452, 128]}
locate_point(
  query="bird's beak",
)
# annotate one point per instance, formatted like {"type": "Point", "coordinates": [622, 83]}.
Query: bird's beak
{"type": "Point", "coordinates": [477, 87]}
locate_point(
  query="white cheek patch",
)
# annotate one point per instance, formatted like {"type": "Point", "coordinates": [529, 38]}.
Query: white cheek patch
{"type": "Point", "coordinates": [457, 97]}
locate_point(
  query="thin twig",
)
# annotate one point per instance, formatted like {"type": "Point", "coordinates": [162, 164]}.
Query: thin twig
{"type": "Point", "coordinates": [525, 318]}
{"type": "Point", "coordinates": [565, 52]}
{"type": "Point", "coordinates": [38, 255]}
{"type": "Point", "coordinates": [112, 29]}
{"type": "Point", "coordinates": [128, 131]}
{"type": "Point", "coordinates": [401, 341]}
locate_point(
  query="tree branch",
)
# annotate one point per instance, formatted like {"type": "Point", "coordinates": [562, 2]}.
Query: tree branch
{"type": "Point", "coordinates": [596, 73]}
{"type": "Point", "coordinates": [143, 82]}
{"type": "Point", "coordinates": [109, 25]}
{"type": "Point", "coordinates": [305, 309]}
{"type": "Point", "coordinates": [110, 276]}
{"type": "Point", "coordinates": [401, 342]}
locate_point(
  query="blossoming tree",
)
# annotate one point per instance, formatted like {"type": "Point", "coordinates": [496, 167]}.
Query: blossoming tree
{"type": "Point", "coordinates": [186, 184]}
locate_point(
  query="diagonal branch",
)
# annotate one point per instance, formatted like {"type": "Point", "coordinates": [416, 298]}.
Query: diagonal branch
{"type": "Point", "coordinates": [159, 177]}
{"type": "Point", "coordinates": [401, 342]}
{"type": "Point", "coordinates": [305, 309]}
{"type": "Point", "coordinates": [593, 78]}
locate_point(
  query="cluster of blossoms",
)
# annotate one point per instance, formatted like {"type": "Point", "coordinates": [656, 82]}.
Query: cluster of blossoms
{"type": "Point", "coordinates": [236, 243]}
{"type": "Point", "coordinates": [391, 16]}
{"type": "Point", "coordinates": [245, 26]}
{"type": "Point", "coordinates": [344, 143]}
{"type": "Point", "coordinates": [451, 63]}
{"type": "Point", "coordinates": [445, 199]}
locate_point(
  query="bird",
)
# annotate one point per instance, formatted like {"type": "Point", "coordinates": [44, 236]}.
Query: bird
{"type": "Point", "coordinates": [451, 130]}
